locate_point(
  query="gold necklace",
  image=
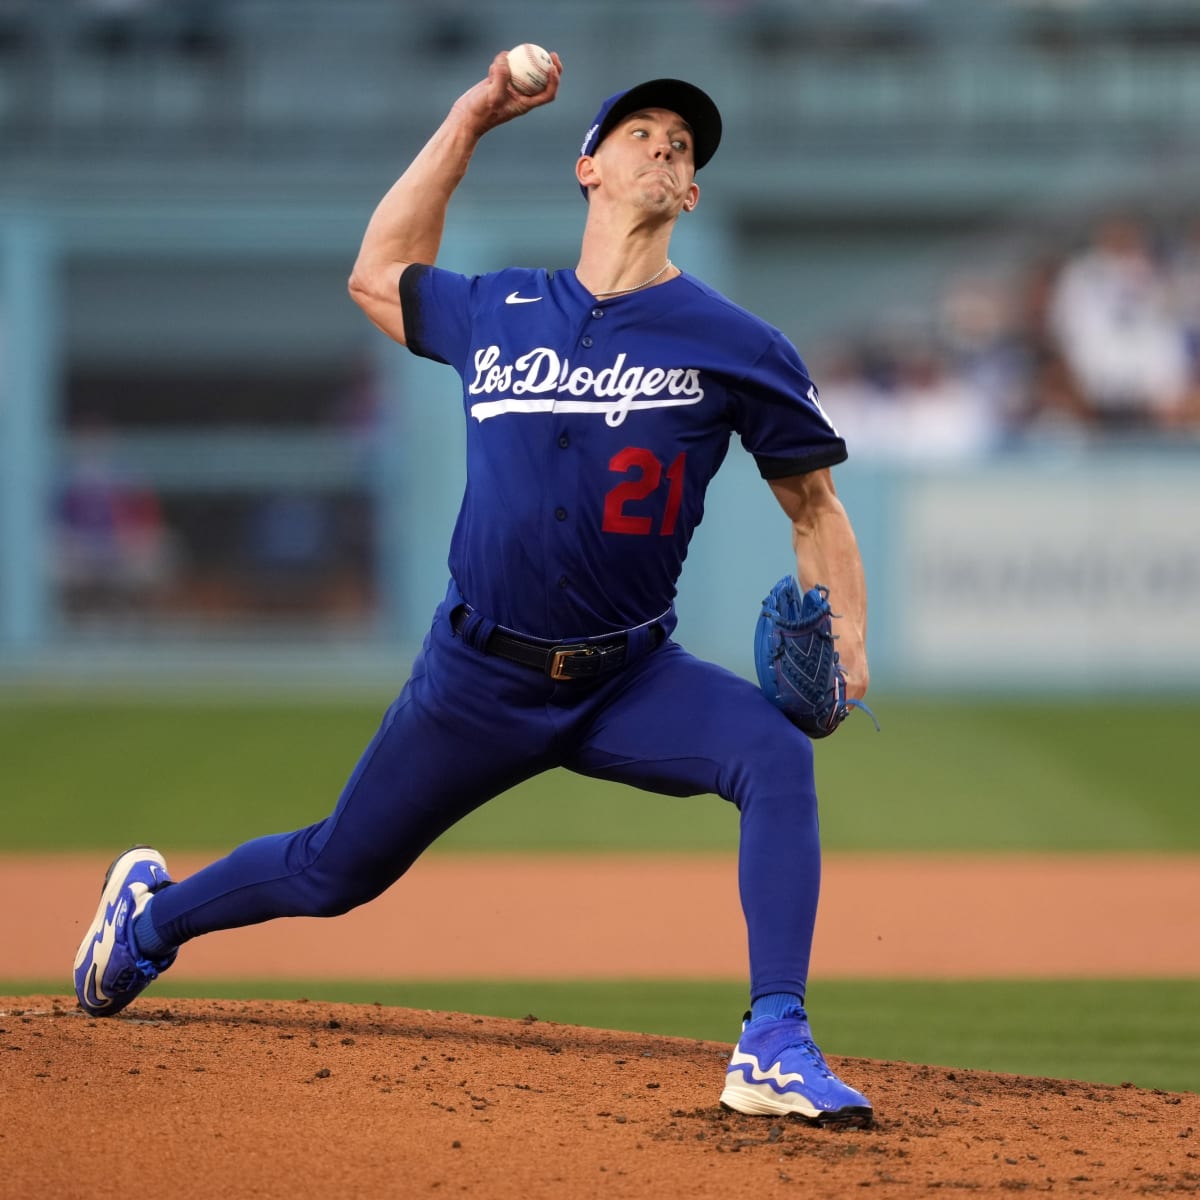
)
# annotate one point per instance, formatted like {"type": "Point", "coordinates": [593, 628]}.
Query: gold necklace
{"type": "Point", "coordinates": [645, 282]}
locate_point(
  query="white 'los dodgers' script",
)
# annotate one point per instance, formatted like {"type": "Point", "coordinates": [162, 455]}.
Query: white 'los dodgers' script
{"type": "Point", "coordinates": [539, 380]}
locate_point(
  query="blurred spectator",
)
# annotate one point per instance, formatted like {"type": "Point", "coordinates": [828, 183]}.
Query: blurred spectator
{"type": "Point", "coordinates": [290, 551]}
{"type": "Point", "coordinates": [202, 31]}
{"type": "Point", "coordinates": [114, 553]}
{"type": "Point", "coordinates": [14, 27]}
{"type": "Point", "coordinates": [358, 406]}
{"type": "Point", "coordinates": [115, 26]}
{"type": "Point", "coordinates": [857, 403]}
{"type": "Point", "coordinates": [946, 415]}
{"type": "Point", "coordinates": [1050, 399]}
{"type": "Point", "coordinates": [1111, 316]}
{"type": "Point", "coordinates": [1185, 289]}
{"type": "Point", "coordinates": [907, 402]}
{"type": "Point", "coordinates": [976, 333]}
{"type": "Point", "coordinates": [1101, 341]}
{"type": "Point", "coordinates": [196, 29]}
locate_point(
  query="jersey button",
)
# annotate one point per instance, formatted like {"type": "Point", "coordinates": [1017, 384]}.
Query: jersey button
{"type": "Point", "coordinates": [560, 513]}
{"type": "Point", "coordinates": [585, 341]}
{"type": "Point", "coordinates": [564, 441]}
{"type": "Point", "coordinates": [597, 313]}
{"type": "Point", "coordinates": [563, 581]}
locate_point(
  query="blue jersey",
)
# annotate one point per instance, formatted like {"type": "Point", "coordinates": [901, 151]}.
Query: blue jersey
{"type": "Point", "coordinates": [593, 430]}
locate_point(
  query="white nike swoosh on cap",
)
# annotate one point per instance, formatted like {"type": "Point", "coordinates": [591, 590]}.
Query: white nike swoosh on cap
{"type": "Point", "coordinates": [513, 298]}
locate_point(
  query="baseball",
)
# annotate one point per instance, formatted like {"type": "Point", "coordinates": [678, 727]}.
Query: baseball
{"type": "Point", "coordinates": [530, 68]}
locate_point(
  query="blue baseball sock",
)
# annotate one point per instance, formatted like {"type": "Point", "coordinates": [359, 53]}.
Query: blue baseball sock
{"type": "Point", "coordinates": [145, 936]}
{"type": "Point", "coordinates": [776, 1004]}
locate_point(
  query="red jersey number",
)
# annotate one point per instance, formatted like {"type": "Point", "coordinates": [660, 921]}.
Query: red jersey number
{"type": "Point", "coordinates": [644, 473]}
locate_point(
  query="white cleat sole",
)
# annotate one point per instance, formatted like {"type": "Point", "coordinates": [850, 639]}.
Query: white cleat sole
{"type": "Point", "coordinates": [766, 1102]}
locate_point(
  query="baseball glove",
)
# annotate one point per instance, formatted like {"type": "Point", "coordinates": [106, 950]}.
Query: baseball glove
{"type": "Point", "coordinates": [796, 661]}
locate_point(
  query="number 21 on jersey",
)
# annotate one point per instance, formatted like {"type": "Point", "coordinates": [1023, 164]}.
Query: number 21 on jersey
{"type": "Point", "coordinates": [631, 507]}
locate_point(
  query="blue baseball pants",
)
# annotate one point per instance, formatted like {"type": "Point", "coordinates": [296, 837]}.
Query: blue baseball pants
{"type": "Point", "coordinates": [468, 726]}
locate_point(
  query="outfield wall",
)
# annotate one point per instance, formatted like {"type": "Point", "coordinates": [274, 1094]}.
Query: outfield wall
{"type": "Point", "coordinates": [1043, 571]}
{"type": "Point", "coordinates": [1023, 574]}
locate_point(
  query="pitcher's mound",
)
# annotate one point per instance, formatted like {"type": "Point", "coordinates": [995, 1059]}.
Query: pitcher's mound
{"type": "Point", "coordinates": [229, 1099]}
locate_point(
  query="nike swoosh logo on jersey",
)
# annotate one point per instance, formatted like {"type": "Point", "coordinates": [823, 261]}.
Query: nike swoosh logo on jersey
{"type": "Point", "coordinates": [514, 298]}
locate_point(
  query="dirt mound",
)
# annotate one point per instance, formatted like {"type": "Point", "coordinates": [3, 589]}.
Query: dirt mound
{"type": "Point", "coordinates": [230, 1099]}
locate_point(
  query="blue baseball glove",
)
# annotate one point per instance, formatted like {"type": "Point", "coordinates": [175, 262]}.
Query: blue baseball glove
{"type": "Point", "coordinates": [796, 661]}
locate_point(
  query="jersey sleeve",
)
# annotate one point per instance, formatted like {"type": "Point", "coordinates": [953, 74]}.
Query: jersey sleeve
{"type": "Point", "coordinates": [437, 308]}
{"type": "Point", "coordinates": [779, 415]}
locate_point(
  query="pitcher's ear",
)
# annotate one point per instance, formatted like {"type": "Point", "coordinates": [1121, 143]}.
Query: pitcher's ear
{"type": "Point", "coordinates": [585, 171]}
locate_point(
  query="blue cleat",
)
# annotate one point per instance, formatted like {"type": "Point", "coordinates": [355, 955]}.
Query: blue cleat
{"type": "Point", "coordinates": [777, 1070]}
{"type": "Point", "coordinates": [109, 969]}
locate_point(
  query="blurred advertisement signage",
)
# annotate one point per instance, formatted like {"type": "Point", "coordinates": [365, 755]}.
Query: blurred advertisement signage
{"type": "Point", "coordinates": [1089, 577]}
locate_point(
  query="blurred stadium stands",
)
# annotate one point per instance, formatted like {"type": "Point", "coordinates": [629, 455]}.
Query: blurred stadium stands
{"type": "Point", "coordinates": [203, 445]}
{"type": "Point", "coordinates": [112, 86]}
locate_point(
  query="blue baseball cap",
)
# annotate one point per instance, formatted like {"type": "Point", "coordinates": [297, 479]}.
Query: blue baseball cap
{"type": "Point", "coordinates": [693, 105]}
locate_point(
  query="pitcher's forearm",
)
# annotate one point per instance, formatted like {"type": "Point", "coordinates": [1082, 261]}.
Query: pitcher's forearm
{"type": "Point", "coordinates": [827, 553]}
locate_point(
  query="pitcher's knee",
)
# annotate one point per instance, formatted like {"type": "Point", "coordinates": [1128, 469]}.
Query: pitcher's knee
{"type": "Point", "coordinates": [781, 771]}
{"type": "Point", "coordinates": [331, 893]}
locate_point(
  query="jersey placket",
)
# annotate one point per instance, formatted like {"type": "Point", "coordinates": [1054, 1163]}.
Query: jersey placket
{"type": "Point", "coordinates": [564, 540]}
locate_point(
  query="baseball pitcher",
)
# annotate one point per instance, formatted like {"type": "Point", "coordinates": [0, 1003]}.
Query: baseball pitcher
{"type": "Point", "coordinates": [599, 402]}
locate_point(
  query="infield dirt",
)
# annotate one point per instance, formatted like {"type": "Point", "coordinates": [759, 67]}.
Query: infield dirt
{"type": "Point", "coordinates": [237, 1099]}
{"type": "Point", "coordinates": [628, 916]}
{"type": "Point", "coordinates": [231, 1099]}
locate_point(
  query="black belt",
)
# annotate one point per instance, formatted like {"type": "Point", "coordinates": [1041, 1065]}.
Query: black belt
{"type": "Point", "coordinates": [574, 660]}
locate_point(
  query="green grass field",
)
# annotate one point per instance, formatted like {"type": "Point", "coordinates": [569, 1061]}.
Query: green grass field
{"type": "Point", "coordinates": [942, 775]}
{"type": "Point", "coordinates": [106, 770]}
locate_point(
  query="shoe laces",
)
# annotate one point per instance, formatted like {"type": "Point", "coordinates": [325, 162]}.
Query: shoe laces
{"type": "Point", "coordinates": [811, 1049]}
{"type": "Point", "coordinates": [806, 1045]}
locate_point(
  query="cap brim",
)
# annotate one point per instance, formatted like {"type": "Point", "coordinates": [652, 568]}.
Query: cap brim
{"type": "Point", "coordinates": [692, 104]}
